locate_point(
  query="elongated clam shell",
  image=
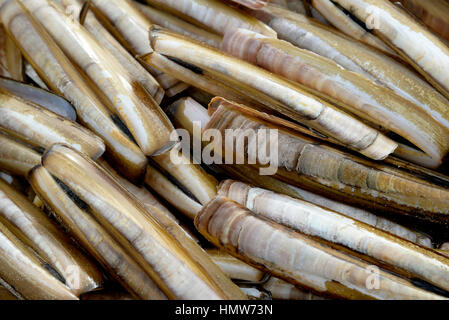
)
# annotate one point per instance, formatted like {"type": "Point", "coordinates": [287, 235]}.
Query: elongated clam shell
{"type": "Point", "coordinates": [94, 237]}
{"type": "Point", "coordinates": [175, 24]}
{"type": "Point", "coordinates": [287, 98]}
{"type": "Point", "coordinates": [135, 228]}
{"type": "Point", "coordinates": [32, 74]}
{"type": "Point", "coordinates": [338, 229]}
{"type": "Point", "coordinates": [253, 4]}
{"type": "Point", "coordinates": [141, 193]}
{"type": "Point", "coordinates": [235, 268]}
{"type": "Point", "coordinates": [5, 293]}
{"type": "Point", "coordinates": [213, 15]}
{"type": "Point", "coordinates": [38, 232]}
{"type": "Point", "coordinates": [17, 158]}
{"type": "Point", "coordinates": [125, 22]}
{"type": "Point", "coordinates": [59, 74]}
{"type": "Point", "coordinates": [14, 60]}
{"type": "Point", "coordinates": [3, 69]}
{"type": "Point", "coordinates": [176, 89]}
{"type": "Point", "coordinates": [191, 176]}
{"type": "Point", "coordinates": [186, 112]}
{"type": "Point", "coordinates": [254, 292]}
{"type": "Point", "coordinates": [239, 270]}
{"type": "Point", "coordinates": [42, 128]}
{"type": "Point", "coordinates": [22, 270]}
{"type": "Point", "coordinates": [422, 49]}
{"type": "Point", "coordinates": [201, 81]}
{"type": "Point", "coordinates": [294, 257]}
{"type": "Point", "coordinates": [252, 176]}
{"type": "Point", "coordinates": [356, 57]}
{"type": "Point", "coordinates": [131, 102]}
{"type": "Point", "coordinates": [303, 162]}
{"type": "Point", "coordinates": [434, 14]}
{"type": "Point", "coordinates": [297, 6]}
{"type": "Point", "coordinates": [127, 25]}
{"type": "Point", "coordinates": [171, 193]}
{"type": "Point", "coordinates": [357, 94]}
{"type": "Point", "coordinates": [344, 23]}
{"type": "Point", "coordinates": [105, 39]}
{"type": "Point", "coordinates": [41, 97]}
{"type": "Point", "coordinates": [147, 199]}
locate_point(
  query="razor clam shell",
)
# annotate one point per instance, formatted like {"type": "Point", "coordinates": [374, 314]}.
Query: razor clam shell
{"type": "Point", "coordinates": [287, 97]}
{"type": "Point", "coordinates": [130, 101]}
{"type": "Point", "coordinates": [297, 6]}
{"type": "Point", "coordinates": [176, 89]}
{"type": "Point", "coordinates": [304, 162]}
{"type": "Point", "coordinates": [141, 193]}
{"type": "Point", "coordinates": [185, 111]}
{"type": "Point", "coordinates": [39, 127]}
{"type": "Point", "coordinates": [445, 246]}
{"type": "Point", "coordinates": [199, 95]}
{"type": "Point", "coordinates": [212, 15]}
{"type": "Point", "coordinates": [35, 229]}
{"type": "Point", "coordinates": [22, 270]}
{"type": "Point", "coordinates": [154, 248]}
{"type": "Point", "coordinates": [6, 177]}
{"type": "Point", "coordinates": [255, 293]}
{"type": "Point", "coordinates": [191, 176]}
{"type": "Point", "coordinates": [355, 93]}
{"type": "Point", "coordinates": [294, 257]}
{"type": "Point", "coordinates": [146, 198]}
{"type": "Point", "coordinates": [94, 238]}
{"type": "Point", "coordinates": [16, 158]}
{"type": "Point", "coordinates": [415, 43]}
{"type": "Point", "coordinates": [358, 58]}
{"type": "Point", "coordinates": [190, 243]}
{"type": "Point", "coordinates": [3, 69]}
{"type": "Point", "coordinates": [14, 60]}
{"type": "Point", "coordinates": [41, 97]}
{"type": "Point", "coordinates": [283, 290]}
{"type": "Point", "coordinates": [344, 23]}
{"type": "Point", "coordinates": [175, 24]}
{"type": "Point", "coordinates": [201, 81]}
{"type": "Point", "coordinates": [32, 74]}
{"type": "Point", "coordinates": [105, 39]}
{"type": "Point", "coordinates": [434, 14]}
{"type": "Point", "coordinates": [235, 268]}
{"type": "Point", "coordinates": [6, 293]}
{"type": "Point", "coordinates": [253, 4]}
{"type": "Point", "coordinates": [337, 229]}
{"type": "Point", "coordinates": [250, 175]}
{"type": "Point", "coordinates": [239, 270]}
{"type": "Point", "coordinates": [59, 74]}
{"type": "Point", "coordinates": [171, 193]}
{"type": "Point", "coordinates": [317, 15]}
{"type": "Point", "coordinates": [126, 24]}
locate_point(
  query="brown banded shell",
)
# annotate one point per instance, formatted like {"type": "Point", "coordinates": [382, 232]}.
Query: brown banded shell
{"type": "Point", "coordinates": [354, 93]}
{"type": "Point", "coordinates": [336, 229]}
{"type": "Point", "coordinates": [138, 230]}
{"type": "Point", "coordinates": [294, 257]}
{"type": "Point", "coordinates": [304, 162]}
{"type": "Point", "coordinates": [63, 78]}
{"type": "Point", "coordinates": [38, 232]}
{"type": "Point", "coordinates": [282, 96]}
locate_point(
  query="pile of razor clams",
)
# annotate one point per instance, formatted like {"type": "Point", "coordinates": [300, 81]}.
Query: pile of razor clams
{"type": "Point", "coordinates": [224, 149]}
